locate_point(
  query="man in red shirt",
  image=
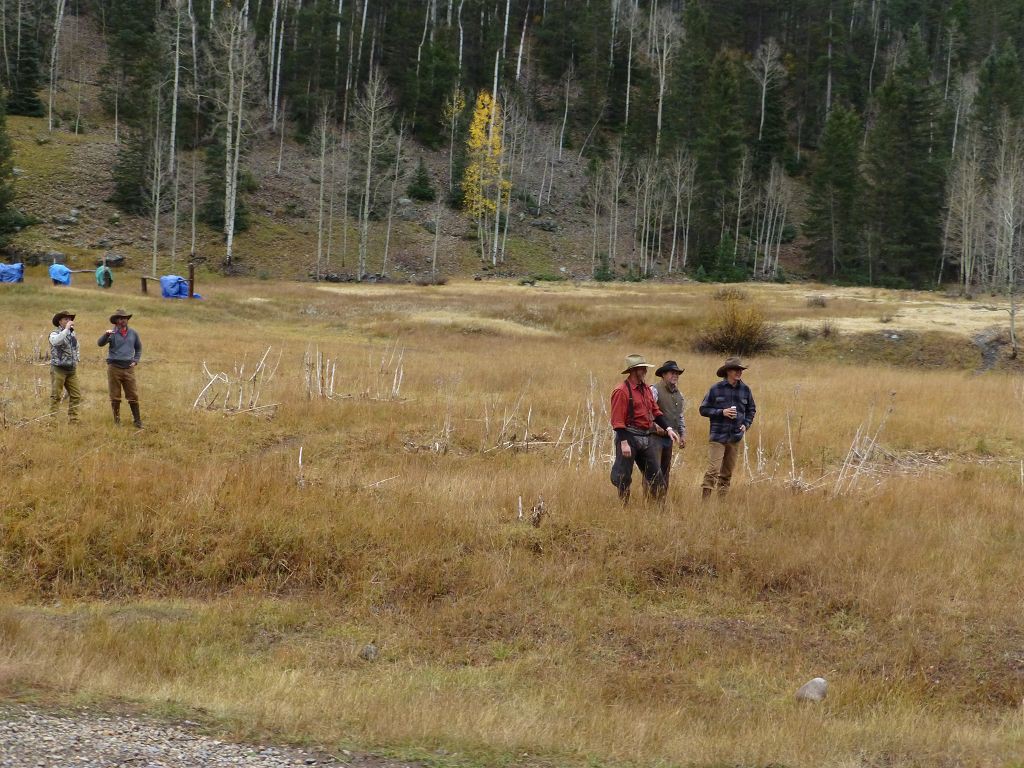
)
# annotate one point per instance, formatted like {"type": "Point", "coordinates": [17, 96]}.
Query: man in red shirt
{"type": "Point", "coordinates": [634, 414]}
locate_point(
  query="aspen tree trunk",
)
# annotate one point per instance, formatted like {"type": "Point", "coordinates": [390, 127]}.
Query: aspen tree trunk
{"type": "Point", "coordinates": [596, 195]}
{"type": "Point", "coordinates": [362, 32]}
{"type": "Point", "coordinates": [330, 203]}
{"type": "Point", "coordinates": [519, 56]}
{"type": "Point", "coordinates": [391, 199]}
{"type": "Point", "coordinates": [372, 116]}
{"type": "Point", "coordinates": [3, 38]}
{"type": "Point", "coordinates": [437, 235]}
{"type": "Point", "coordinates": [277, 79]}
{"type": "Point", "coordinates": [156, 178]}
{"type": "Point", "coordinates": [174, 223]}
{"type": "Point", "coordinates": [741, 184]}
{"type": "Point", "coordinates": [611, 37]}
{"type": "Point", "coordinates": [57, 24]}
{"type": "Point", "coordinates": [337, 43]}
{"type": "Point", "coordinates": [344, 206]}
{"type": "Point", "coordinates": [629, 70]}
{"type": "Point", "coordinates": [565, 113]}
{"type": "Point", "coordinates": [828, 79]}
{"type": "Point", "coordinates": [664, 34]}
{"type": "Point", "coordinates": [461, 37]}
{"type": "Point", "coordinates": [875, 24]}
{"type": "Point", "coordinates": [324, 127]}
{"type": "Point", "coordinates": [271, 51]}
{"type": "Point", "coordinates": [499, 195]}
{"type": "Point", "coordinates": [173, 149]}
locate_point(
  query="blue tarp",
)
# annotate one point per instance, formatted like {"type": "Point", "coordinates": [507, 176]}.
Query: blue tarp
{"type": "Point", "coordinates": [60, 274]}
{"type": "Point", "coordinates": [175, 287]}
{"type": "Point", "coordinates": [12, 273]}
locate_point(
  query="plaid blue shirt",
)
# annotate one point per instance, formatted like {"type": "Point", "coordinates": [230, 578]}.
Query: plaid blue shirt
{"type": "Point", "coordinates": [721, 396]}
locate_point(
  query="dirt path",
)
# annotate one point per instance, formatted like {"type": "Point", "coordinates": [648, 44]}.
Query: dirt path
{"type": "Point", "coordinates": [33, 739]}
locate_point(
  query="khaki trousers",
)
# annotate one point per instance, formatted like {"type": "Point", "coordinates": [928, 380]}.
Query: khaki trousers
{"type": "Point", "coordinates": [61, 380]}
{"type": "Point", "coordinates": [122, 379]}
{"type": "Point", "coordinates": [721, 462]}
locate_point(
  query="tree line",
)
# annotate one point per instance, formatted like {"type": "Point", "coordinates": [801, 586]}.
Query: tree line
{"type": "Point", "coordinates": [881, 139]}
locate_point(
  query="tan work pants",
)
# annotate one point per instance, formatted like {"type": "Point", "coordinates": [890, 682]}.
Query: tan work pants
{"type": "Point", "coordinates": [721, 462]}
{"type": "Point", "coordinates": [61, 380]}
{"type": "Point", "coordinates": [119, 379]}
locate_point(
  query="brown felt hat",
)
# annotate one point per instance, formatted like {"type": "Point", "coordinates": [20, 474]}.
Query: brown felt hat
{"type": "Point", "coordinates": [120, 313]}
{"type": "Point", "coordinates": [731, 364]}
{"type": "Point", "coordinates": [636, 361]}
{"type": "Point", "coordinates": [63, 313]}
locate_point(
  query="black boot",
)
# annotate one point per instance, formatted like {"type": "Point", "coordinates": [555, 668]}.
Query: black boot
{"type": "Point", "coordinates": [115, 406]}
{"type": "Point", "coordinates": [136, 418]}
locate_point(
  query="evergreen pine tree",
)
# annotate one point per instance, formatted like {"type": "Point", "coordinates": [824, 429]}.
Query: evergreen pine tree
{"type": "Point", "coordinates": [718, 150]}
{"type": "Point", "coordinates": [10, 217]}
{"type": "Point", "coordinates": [420, 187]}
{"type": "Point", "coordinates": [906, 174]}
{"type": "Point", "coordinates": [24, 87]}
{"type": "Point", "coordinates": [833, 223]}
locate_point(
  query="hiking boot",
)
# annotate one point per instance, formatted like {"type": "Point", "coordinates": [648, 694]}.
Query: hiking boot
{"type": "Point", "coordinates": [115, 406]}
{"type": "Point", "coordinates": [136, 418]}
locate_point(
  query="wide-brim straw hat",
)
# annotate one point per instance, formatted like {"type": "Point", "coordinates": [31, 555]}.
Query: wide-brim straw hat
{"type": "Point", "coordinates": [668, 366]}
{"type": "Point", "coordinates": [120, 313]}
{"type": "Point", "coordinates": [731, 364]}
{"type": "Point", "coordinates": [63, 313]}
{"type": "Point", "coordinates": [636, 361]}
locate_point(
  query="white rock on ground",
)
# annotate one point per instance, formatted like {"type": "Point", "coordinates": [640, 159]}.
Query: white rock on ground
{"type": "Point", "coordinates": [813, 690]}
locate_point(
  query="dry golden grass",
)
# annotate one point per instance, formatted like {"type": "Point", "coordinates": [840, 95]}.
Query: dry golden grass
{"type": "Point", "coordinates": [188, 566]}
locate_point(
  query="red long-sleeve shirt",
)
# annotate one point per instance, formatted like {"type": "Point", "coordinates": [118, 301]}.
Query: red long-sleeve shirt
{"type": "Point", "coordinates": [645, 408]}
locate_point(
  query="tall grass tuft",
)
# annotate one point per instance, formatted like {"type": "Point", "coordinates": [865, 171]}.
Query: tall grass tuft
{"type": "Point", "coordinates": [736, 329]}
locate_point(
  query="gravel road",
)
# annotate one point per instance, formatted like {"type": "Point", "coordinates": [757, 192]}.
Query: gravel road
{"type": "Point", "coordinates": [33, 739]}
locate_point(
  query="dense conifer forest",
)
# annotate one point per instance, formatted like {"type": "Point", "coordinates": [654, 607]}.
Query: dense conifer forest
{"type": "Point", "coordinates": [881, 141]}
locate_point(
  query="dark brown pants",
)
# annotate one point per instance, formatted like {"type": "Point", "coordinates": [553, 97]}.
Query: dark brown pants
{"type": "Point", "coordinates": [646, 456]}
{"type": "Point", "coordinates": [122, 379]}
{"type": "Point", "coordinates": [664, 445]}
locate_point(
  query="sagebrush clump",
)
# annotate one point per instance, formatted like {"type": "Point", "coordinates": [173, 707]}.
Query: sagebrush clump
{"type": "Point", "coordinates": [736, 329]}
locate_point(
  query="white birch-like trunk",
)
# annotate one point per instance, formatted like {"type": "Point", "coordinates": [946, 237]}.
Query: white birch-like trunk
{"type": "Point", "coordinates": [391, 199]}
{"type": "Point", "coordinates": [173, 149]}
{"type": "Point", "coordinates": [58, 22]}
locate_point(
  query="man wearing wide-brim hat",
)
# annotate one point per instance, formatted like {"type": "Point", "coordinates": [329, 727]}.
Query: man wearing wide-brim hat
{"type": "Point", "coordinates": [64, 357]}
{"type": "Point", "coordinates": [729, 404]}
{"type": "Point", "coordinates": [124, 355]}
{"type": "Point", "coordinates": [671, 402]}
{"type": "Point", "coordinates": [635, 415]}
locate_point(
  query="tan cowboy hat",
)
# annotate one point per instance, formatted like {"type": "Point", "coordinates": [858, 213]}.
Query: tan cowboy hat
{"type": "Point", "coordinates": [63, 313]}
{"type": "Point", "coordinates": [731, 363]}
{"type": "Point", "coordinates": [120, 313]}
{"type": "Point", "coordinates": [636, 361]}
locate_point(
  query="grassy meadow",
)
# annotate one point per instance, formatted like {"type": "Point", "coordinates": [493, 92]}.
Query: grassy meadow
{"type": "Point", "coordinates": [195, 568]}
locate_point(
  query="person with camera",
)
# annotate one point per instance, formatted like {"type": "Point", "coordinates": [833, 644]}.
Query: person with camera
{"type": "Point", "coordinates": [123, 357]}
{"type": "Point", "coordinates": [634, 416]}
{"type": "Point", "coordinates": [729, 405]}
{"type": "Point", "coordinates": [64, 364]}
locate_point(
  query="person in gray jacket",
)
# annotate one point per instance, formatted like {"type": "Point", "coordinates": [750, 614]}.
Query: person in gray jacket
{"type": "Point", "coordinates": [64, 364]}
{"type": "Point", "coordinates": [124, 355]}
